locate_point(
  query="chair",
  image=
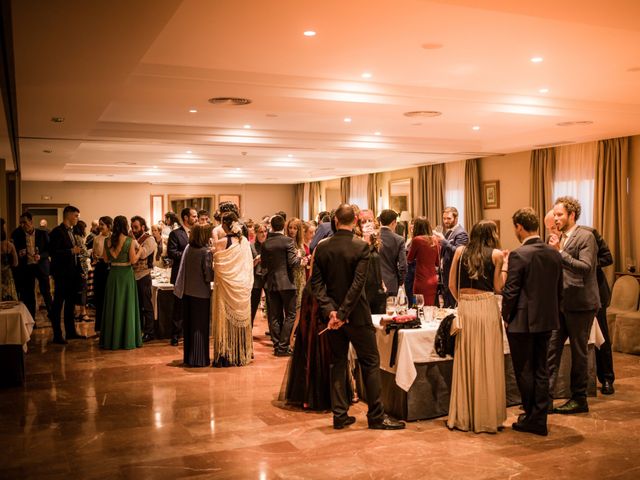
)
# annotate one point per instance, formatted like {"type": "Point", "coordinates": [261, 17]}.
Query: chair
{"type": "Point", "coordinates": [624, 300]}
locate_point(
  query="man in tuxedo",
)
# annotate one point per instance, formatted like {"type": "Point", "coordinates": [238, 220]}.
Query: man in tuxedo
{"type": "Point", "coordinates": [278, 259]}
{"type": "Point", "coordinates": [177, 242]}
{"type": "Point", "coordinates": [142, 272]}
{"type": "Point", "coordinates": [32, 246]}
{"type": "Point", "coordinates": [66, 271]}
{"type": "Point", "coordinates": [531, 309]}
{"type": "Point", "coordinates": [337, 282]}
{"type": "Point", "coordinates": [454, 236]}
{"type": "Point", "coordinates": [580, 301]}
{"type": "Point", "coordinates": [393, 254]}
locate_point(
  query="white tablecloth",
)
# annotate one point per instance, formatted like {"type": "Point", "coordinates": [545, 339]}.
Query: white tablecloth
{"type": "Point", "coordinates": [416, 346]}
{"type": "Point", "coordinates": [158, 284]}
{"type": "Point", "coordinates": [16, 325]}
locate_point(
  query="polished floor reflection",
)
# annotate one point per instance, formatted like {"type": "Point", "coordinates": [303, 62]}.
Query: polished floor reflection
{"type": "Point", "coordinates": [86, 413]}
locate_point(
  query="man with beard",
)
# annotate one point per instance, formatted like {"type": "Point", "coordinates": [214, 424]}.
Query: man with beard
{"type": "Point", "coordinates": [142, 272]}
{"type": "Point", "coordinates": [454, 236]}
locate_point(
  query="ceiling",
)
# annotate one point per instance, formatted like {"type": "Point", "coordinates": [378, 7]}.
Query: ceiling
{"type": "Point", "coordinates": [124, 74]}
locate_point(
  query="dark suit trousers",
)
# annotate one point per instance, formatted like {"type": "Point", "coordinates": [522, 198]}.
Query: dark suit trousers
{"type": "Point", "coordinates": [176, 328]}
{"type": "Point", "coordinates": [529, 356]}
{"type": "Point", "coordinates": [363, 339]}
{"type": "Point", "coordinates": [604, 357]}
{"type": "Point", "coordinates": [576, 326]}
{"type": "Point", "coordinates": [256, 294]}
{"type": "Point", "coordinates": [100, 274]}
{"type": "Point", "coordinates": [26, 286]}
{"type": "Point", "coordinates": [282, 316]}
{"type": "Point", "coordinates": [65, 294]}
{"type": "Point", "coordinates": [145, 303]}
{"type": "Point", "coordinates": [448, 298]}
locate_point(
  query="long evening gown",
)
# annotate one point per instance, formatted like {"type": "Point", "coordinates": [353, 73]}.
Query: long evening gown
{"type": "Point", "coordinates": [120, 312]}
{"type": "Point", "coordinates": [425, 254]}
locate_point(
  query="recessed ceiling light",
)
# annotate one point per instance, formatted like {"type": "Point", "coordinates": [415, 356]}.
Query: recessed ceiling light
{"type": "Point", "coordinates": [422, 113]}
{"type": "Point", "coordinates": [57, 119]}
{"type": "Point", "coordinates": [246, 126]}
{"type": "Point", "coordinates": [475, 127]}
{"type": "Point", "coordinates": [432, 46]}
{"type": "Point", "coordinates": [155, 166]}
{"type": "Point", "coordinates": [309, 33]}
{"type": "Point", "coordinates": [193, 110]}
{"type": "Point", "coordinates": [378, 133]}
{"type": "Point", "coordinates": [572, 124]}
{"type": "Point", "coordinates": [188, 151]}
{"type": "Point", "coordinates": [290, 156]}
{"type": "Point", "coordinates": [366, 75]}
{"type": "Point", "coordinates": [544, 90]}
{"type": "Point", "coordinates": [537, 59]}
{"type": "Point", "coordinates": [347, 119]}
{"type": "Point", "coordinates": [237, 169]}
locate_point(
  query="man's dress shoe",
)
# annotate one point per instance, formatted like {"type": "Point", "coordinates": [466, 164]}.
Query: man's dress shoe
{"type": "Point", "coordinates": [607, 388]}
{"type": "Point", "coordinates": [572, 406]}
{"type": "Point", "coordinates": [387, 424]}
{"type": "Point", "coordinates": [339, 424]}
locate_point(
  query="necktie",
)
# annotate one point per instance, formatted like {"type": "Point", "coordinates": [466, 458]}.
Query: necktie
{"type": "Point", "coordinates": [563, 240]}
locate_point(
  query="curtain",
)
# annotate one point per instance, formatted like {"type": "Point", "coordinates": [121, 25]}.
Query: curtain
{"type": "Point", "coordinates": [358, 194]}
{"type": "Point", "coordinates": [372, 193]}
{"type": "Point", "coordinates": [542, 167]}
{"type": "Point", "coordinates": [574, 176]}
{"type": "Point", "coordinates": [611, 215]}
{"type": "Point", "coordinates": [305, 202]}
{"type": "Point", "coordinates": [454, 177]}
{"type": "Point", "coordinates": [472, 196]}
{"type": "Point", "coordinates": [431, 191]}
{"type": "Point", "coordinates": [298, 199]}
{"type": "Point", "coordinates": [345, 189]}
{"type": "Point", "coordinates": [314, 200]}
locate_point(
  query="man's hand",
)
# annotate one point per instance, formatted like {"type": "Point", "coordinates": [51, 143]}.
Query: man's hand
{"type": "Point", "coordinates": [334, 322]}
{"type": "Point", "coordinates": [554, 241]}
{"type": "Point", "coordinates": [36, 258]}
{"type": "Point", "coordinates": [76, 250]}
{"type": "Point", "coordinates": [438, 234]}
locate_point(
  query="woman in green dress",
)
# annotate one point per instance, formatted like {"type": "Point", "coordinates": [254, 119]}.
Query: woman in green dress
{"type": "Point", "coordinates": [120, 312]}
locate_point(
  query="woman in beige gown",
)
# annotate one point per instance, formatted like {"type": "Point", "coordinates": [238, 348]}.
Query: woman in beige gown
{"type": "Point", "coordinates": [478, 398]}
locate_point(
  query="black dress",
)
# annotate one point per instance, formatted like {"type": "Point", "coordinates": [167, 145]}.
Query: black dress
{"type": "Point", "coordinates": [376, 296]}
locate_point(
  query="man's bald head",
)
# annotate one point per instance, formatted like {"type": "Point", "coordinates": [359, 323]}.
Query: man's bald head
{"type": "Point", "coordinates": [550, 223]}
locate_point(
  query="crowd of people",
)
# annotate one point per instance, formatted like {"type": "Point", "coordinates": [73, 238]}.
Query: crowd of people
{"type": "Point", "coordinates": [333, 274]}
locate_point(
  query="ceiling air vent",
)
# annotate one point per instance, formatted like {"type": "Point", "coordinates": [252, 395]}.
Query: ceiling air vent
{"type": "Point", "coordinates": [572, 124]}
{"type": "Point", "coordinates": [229, 101]}
{"type": "Point", "coordinates": [554, 144]}
{"type": "Point", "coordinates": [422, 113]}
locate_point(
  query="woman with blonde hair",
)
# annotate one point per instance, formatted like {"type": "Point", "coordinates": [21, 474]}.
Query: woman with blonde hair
{"type": "Point", "coordinates": [478, 398]}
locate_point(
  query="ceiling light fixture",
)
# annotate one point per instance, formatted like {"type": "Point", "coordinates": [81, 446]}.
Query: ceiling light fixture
{"type": "Point", "coordinates": [246, 126]}
{"type": "Point", "coordinates": [155, 166]}
{"type": "Point", "coordinates": [544, 90]}
{"type": "Point", "coordinates": [536, 59]}
{"type": "Point", "coordinates": [57, 119]}
{"type": "Point", "coordinates": [366, 75]}
{"type": "Point", "coordinates": [229, 101]}
{"type": "Point", "coordinates": [575, 123]}
{"type": "Point", "coordinates": [309, 33]}
{"type": "Point", "coordinates": [378, 133]}
{"type": "Point", "coordinates": [347, 120]}
{"type": "Point", "coordinates": [475, 127]}
{"type": "Point", "coordinates": [189, 151]}
{"type": "Point", "coordinates": [193, 110]}
{"type": "Point", "coordinates": [422, 113]}
{"type": "Point", "coordinates": [290, 156]}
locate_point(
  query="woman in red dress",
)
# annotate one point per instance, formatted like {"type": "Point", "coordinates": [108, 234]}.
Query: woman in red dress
{"type": "Point", "coordinates": [425, 250]}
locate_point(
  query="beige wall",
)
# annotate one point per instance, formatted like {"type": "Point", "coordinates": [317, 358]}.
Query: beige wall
{"type": "Point", "coordinates": [634, 200]}
{"type": "Point", "coordinates": [97, 199]}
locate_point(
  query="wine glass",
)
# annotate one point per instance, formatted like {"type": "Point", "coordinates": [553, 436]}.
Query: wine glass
{"type": "Point", "coordinates": [402, 303]}
{"type": "Point", "coordinates": [419, 298]}
{"type": "Point", "coordinates": [391, 306]}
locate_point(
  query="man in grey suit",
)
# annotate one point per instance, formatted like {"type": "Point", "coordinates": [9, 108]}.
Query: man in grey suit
{"type": "Point", "coordinates": [454, 236]}
{"type": "Point", "coordinates": [581, 301]}
{"type": "Point", "coordinates": [531, 309]}
{"type": "Point", "coordinates": [278, 258]}
{"type": "Point", "coordinates": [393, 254]}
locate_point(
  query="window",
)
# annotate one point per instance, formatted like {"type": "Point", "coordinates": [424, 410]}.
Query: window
{"type": "Point", "coordinates": [358, 195]}
{"type": "Point", "coordinates": [453, 189]}
{"type": "Point", "coordinates": [575, 176]}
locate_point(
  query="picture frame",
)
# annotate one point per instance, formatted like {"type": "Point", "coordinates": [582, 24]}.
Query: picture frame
{"type": "Point", "coordinates": [176, 202]}
{"type": "Point", "coordinates": [156, 208]}
{"type": "Point", "coordinates": [231, 197]}
{"type": "Point", "coordinates": [400, 195]}
{"type": "Point", "coordinates": [491, 194]}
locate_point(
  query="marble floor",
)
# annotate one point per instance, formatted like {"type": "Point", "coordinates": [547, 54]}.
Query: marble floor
{"type": "Point", "coordinates": [87, 413]}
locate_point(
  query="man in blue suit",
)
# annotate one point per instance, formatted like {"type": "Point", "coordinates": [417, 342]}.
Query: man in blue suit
{"type": "Point", "coordinates": [454, 236]}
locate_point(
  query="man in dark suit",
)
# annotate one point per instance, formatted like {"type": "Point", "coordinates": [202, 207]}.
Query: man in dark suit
{"type": "Point", "coordinates": [454, 236]}
{"type": "Point", "coordinates": [177, 242]}
{"type": "Point", "coordinates": [32, 246]}
{"type": "Point", "coordinates": [531, 309]}
{"type": "Point", "coordinates": [580, 301]}
{"type": "Point", "coordinates": [323, 231]}
{"type": "Point", "coordinates": [604, 357]}
{"type": "Point", "coordinates": [278, 258]}
{"type": "Point", "coordinates": [393, 253]}
{"type": "Point", "coordinates": [337, 282]}
{"type": "Point", "coordinates": [66, 272]}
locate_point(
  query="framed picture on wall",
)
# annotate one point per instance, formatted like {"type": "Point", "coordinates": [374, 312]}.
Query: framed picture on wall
{"type": "Point", "coordinates": [157, 208]}
{"type": "Point", "coordinates": [491, 194]}
{"type": "Point", "coordinates": [230, 197]}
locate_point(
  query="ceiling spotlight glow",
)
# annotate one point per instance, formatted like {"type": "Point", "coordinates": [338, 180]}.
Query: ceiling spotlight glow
{"type": "Point", "coordinates": [290, 156]}
{"type": "Point", "coordinates": [193, 110]}
{"type": "Point", "coordinates": [366, 75]}
{"type": "Point", "coordinates": [544, 90]}
{"type": "Point", "coordinates": [347, 119]}
{"type": "Point", "coordinates": [537, 59]}
{"type": "Point", "coordinates": [246, 126]}
{"type": "Point", "coordinates": [475, 127]}
{"type": "Point", "coordinates": [378, 133]}
{"type": "Point", "coordinates": [309, 33]}
{"type": "Point", "coordinates": [189, 151]}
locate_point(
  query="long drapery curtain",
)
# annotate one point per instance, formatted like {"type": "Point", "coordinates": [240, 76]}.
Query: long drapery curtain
{"type": "Point", "coordinates": [298, 200]}
{"type": "Point", "coordinates": [372, 192]}
{"type": "Point", "coordinates": [575, 176]}
{"type": "Point", "coordinates": [611, 216]}
{"type": "Point", "coordinates": [542, 167]}
{"type": "Point", "coordinates": [358, 194]}
{"type": "Point", "coordinates": [472, 197]}
{"type": "Point", "coordinates": [314, 200]}
{"type": "Point", "coordinates": [454, 182]}
{"type": "Point", "coordinates": [345, 189]}
{"type": "Point", "coordinates": [431, 191]}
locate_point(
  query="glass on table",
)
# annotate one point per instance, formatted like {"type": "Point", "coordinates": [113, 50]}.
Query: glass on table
{"type": "Point", "coordinates": [419, 298]}
{"type": "Point", "coordinates": [391, 306]}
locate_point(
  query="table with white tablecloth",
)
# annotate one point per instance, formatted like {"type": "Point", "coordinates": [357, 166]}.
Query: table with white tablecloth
{"type": "Point", "coordinates": [419, 384]}
{"type": "Point", "coordinates": [16, 325]}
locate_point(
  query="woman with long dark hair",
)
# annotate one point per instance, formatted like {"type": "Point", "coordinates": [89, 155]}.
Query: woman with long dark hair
{"type": "Point", "coordinates": [425, 251]}
{"type": "Point", "coordinates": [478, 398]}
{"type": "Point", "coordinates": [80, 233]}
{"type": "Point", "coordinates": [120, 312]}
{"type": "Point", "coordinates": [100, 267]}
{"type": "Point", "coordinates": [260, 234]}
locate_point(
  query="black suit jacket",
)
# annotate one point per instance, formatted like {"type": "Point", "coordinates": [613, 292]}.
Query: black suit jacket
{"type": "Point", "coordinates": [278, 257]}
{"type": "Point", "coordinates": [579, 261]}
{"type": "Point", "coordinates": [63, 260]}
{"type": "Point", "coordinates": [19, 238]}
{"type": "Point", "coordinates": [339, 276]}
{"type": "Point", "coordinates": [393, 259]}
{"type": "Point", "coordinates": [453, 239]}
{"type": "Point", "coordinates": [604, 260]}
{"type": "Point", "coordinates": [533, 291]}
{"type": "Point", "coordinates": [177, 242]}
